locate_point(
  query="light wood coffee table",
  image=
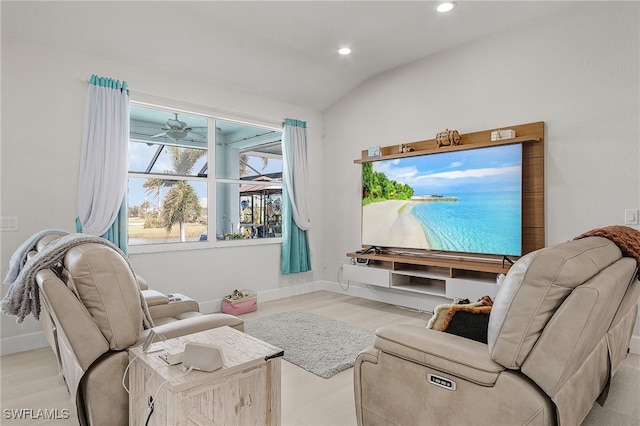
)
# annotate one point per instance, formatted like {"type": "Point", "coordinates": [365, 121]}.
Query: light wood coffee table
{"type": "Point", "coordinates": [246, 390]}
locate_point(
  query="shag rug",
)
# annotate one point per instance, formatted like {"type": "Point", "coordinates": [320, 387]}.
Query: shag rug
{"type": "Point", "coordinates": [320, 345]}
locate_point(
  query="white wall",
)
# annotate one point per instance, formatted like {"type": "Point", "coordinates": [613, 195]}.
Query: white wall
{"type": "Point", "coordinates": [43, 96]}
{"type": "Point", "coordinates": [576, 70]}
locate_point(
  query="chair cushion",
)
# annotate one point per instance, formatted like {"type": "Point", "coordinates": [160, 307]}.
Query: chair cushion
{"type": "Point", "coordinates": [178, 317]}
{"type": "Point", "coordinates": [535, 287]}
{"type": "Point", "coordinates": [108, 289]}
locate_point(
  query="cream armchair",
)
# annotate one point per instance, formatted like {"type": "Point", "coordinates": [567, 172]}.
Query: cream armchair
{"type": "Point", "coordinates": [94, 305]}
{"type": "Point", "coordinates": [163, 308]}
{"type": "Point", "coordinates": [559, 329]}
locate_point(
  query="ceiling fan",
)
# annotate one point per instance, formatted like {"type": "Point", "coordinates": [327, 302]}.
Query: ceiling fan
{"type": "Point", "coordinates": [175, 129]}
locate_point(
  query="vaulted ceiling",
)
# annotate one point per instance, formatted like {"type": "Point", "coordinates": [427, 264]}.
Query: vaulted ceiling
{"type": "Point", "coordinates": [278, 49]}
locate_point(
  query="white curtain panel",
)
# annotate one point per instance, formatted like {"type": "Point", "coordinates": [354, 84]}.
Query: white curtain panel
{"type": "Point", "coordinates": [294, 163]}
{"type": "Point", "coordinates": [105, 155]}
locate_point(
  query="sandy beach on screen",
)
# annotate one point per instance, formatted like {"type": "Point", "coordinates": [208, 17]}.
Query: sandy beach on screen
{"type": "Point", "coordinates": [391, 224]}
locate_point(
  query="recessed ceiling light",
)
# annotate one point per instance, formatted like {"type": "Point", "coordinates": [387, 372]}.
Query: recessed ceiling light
{"type": "Point", "coordinates": [344, 51]}
{"type": "Point", "coordinates": [446, 6]}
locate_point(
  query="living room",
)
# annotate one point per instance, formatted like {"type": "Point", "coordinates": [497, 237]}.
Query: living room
{"type": "Point", "coordinates": [575, 69]}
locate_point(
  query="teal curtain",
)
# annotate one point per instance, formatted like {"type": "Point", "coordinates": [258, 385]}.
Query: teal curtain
{"type": "Point", "coordinates": [104, 161]}
{"type": "Point", "coordinates": [295, 254]}
{"type": "Point", "coordinates": [117, 233]}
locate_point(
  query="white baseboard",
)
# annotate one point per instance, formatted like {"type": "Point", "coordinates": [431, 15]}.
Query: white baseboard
{"type": "Point", "coordinates": [210, 306]}
{"type": "Point", "coordinates": [634, 346]}
{"type": "Point", "coordinates": [427, 303]}
{"type": "Point", "coordinates": [22, 342]}
{"type": "Point", "coordinates": [215, 305]}
{"type": "Point", "coordinates": [411, 301]}
{"type": "Point", "coordinates": [421, 302]}
{"type": "Point", "coordinates": [35, 340]}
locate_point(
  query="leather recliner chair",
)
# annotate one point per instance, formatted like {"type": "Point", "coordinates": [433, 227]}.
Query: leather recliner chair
{"type": "Point", "coordinates": [95, 309]}
{"type": "Point", "coordinates": [559, 329]}
{"type": "Point", "coordinates": [163, 308]}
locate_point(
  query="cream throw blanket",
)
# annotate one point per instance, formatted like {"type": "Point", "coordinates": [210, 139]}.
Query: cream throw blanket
{"type": "Point", "coordinates": [23, 297]}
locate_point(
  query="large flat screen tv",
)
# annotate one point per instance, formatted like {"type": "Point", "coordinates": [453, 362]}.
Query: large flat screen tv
{"type": "Point", "coordinates": [467, 201]}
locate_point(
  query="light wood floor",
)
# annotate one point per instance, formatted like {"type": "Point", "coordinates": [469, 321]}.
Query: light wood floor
{"type": "Point", "coordinates": [30, 379]}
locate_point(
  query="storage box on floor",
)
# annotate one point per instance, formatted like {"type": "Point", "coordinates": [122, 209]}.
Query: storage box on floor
{"type": "Point", "coordinates": [240, 302]}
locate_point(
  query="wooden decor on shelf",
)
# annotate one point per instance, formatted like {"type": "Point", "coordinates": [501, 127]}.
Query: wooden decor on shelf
{"type": "Point", "coordinates": [448, 138]}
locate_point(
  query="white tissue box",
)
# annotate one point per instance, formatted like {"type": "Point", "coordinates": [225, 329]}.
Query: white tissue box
{"type": "Point", "coordinates": [497, 135]}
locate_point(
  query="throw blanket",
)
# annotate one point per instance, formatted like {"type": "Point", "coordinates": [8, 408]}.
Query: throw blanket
{"type": "Point", "coordinates": [627, 239]}
{"type": "Point", "coordinates": [23, 297]}
{"type": "Point", "coordinates": [19, 257]}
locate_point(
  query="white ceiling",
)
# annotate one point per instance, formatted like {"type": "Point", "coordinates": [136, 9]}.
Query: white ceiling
{"type": "Point", "coordinates": [282, 50]}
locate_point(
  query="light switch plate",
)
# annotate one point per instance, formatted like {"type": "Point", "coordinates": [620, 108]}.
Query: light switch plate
{"type": "Point", "coordinates": [631, 217]}
{"type": "Point", "coordinates": [9, 223]}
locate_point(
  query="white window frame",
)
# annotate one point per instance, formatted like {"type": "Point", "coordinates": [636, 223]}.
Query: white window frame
{"type": "Point", "coordinates": [212, 182]}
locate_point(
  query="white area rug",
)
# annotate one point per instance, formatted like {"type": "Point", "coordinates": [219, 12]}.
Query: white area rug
{"type": "Point", "coordinates": [320, 345]}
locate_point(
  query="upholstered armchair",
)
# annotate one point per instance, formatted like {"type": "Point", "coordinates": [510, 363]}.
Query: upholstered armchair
{"type": "Point", "coordinates": [559, 329]}
{"type": "Point", "coordinates": [94, 304]}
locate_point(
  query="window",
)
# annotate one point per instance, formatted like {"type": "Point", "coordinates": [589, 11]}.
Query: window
{"type": "Point", "coordinates": [171, 181]}
{"type": "Point", "coordinates": [248, 181]}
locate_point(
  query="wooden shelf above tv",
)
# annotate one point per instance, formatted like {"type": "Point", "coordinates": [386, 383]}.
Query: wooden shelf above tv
{"type": "Point", "coordinates": [532, 132]}
{"type": "Point", "coordinates": [518, 139]}
{"type": "Point", "coordinates": [531, 136]}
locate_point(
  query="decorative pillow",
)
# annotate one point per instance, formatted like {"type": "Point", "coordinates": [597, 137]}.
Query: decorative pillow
{"type": "Point", "coordinates": [468, 321]}
{"type": "Point", "coordinates": [464, 319]}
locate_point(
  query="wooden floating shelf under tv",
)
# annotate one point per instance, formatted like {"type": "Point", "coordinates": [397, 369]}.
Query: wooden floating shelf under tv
{"type": "Point", "coordinates": [531, 136]}
{"type": "Point", "coordinates": [456, 264]}
{"type": "Point", "coordinates": [430, 275]}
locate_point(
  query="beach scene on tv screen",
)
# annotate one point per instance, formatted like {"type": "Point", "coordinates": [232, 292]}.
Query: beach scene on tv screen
{"type": "Point", "coordinates": [462, 201]}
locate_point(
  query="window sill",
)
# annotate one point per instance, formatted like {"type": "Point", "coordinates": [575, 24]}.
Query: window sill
{"type": "Point", "coordinates": [200, 245]}
{"type": "Point", "coordinates": [246, 242]}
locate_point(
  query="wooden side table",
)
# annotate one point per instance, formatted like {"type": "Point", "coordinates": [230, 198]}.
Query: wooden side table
{"type": "Point", "coordinates": [246, 390]}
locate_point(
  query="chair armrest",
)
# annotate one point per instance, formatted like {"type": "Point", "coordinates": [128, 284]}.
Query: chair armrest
{"type": "Point", "coordinates": [193, 325]}
{"type": "Point", "coordinates": [154, 297]}
{"type": "Point", "coordinates": [445, 352]}
{"type": "Point", "coordinates": [175, 306]}
{"type": "Point", "coordinates": [142, 283]}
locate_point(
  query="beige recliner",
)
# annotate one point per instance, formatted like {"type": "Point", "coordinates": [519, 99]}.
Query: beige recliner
{"type": "Point", "coordinates": [559, 329]}
{"type": "Point", "coordinates": [94, 306]}
{"type": "Point", "coordinates": [162, 308]}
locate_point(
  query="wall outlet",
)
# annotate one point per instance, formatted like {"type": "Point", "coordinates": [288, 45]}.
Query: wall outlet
{"type": "Point", "coordinates": [631, 217]}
